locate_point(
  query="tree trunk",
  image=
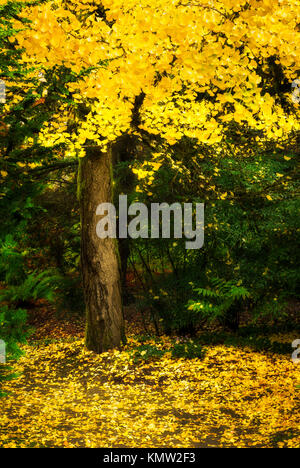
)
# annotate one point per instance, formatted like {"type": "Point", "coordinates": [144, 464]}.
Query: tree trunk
{"type": "Point", "coordinates": [99, 257]}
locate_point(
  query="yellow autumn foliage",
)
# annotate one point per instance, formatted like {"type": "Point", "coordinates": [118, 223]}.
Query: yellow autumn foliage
{"type": "Point", "coordinates": [194, 64]}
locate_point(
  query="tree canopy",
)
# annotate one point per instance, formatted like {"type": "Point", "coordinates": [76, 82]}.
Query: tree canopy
{"type": "Point", "coordinates": [168, 69]}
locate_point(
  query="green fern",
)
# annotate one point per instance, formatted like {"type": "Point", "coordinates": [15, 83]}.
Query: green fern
{"type": "Point", "coordinates": [220, 302]}
{"type": "Point", "coordinates": [11, 262]}
{"type": "Point", "coordinates": [36, 286]}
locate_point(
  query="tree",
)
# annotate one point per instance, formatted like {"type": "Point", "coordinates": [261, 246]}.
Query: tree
{"type": "Point", "coordinates": [157, 72]}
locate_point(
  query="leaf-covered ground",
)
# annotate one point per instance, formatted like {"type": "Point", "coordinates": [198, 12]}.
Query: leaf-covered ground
{"type": "Point", "coordinates": [68, 397]}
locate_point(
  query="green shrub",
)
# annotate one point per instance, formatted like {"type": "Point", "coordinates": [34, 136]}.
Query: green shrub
{"type": "Point", "coordinates": [223, 302]}
{"type": "Point", "coordinates": [146, 352]}
{"type": "Point", "coordinates": [70, 297]}
{"type": "Point", "coordinates": [36, 286]}
{"type": "Point", "coordinates": [188, 350]}
{"type": "Point", "coordinates": [12, 270]}
{"type": "Point", "coordinates": [13, 330]}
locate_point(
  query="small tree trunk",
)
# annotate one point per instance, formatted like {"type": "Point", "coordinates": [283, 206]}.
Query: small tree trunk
{"type": "Point", "coordinates": [99, 257]}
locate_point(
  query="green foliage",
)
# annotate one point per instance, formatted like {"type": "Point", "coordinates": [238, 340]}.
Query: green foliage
{"type": "Point", "coordinates": [70, 299]}
{"type": "Point", "coordinates": [189, 350]}
{"type": "Point", "coordinates": [152, 347]}
{"type": "Point", "coordinates": [36, 286]}
{"type": "Point", "coordinates": [223, 302]}
{"type": "Point", "coordinates": [13, 330]}
{"type": "Point", "coordinates": [251, 201]}
{"type": "Point", "coordinates": [166, 293]}
{"type": "Point", "coordinates": [11, 262]}
{"type": "Point", "coordinates": [146, 352]}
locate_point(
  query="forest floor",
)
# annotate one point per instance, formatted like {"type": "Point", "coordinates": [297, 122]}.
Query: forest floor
{"type": "Point", "coordinates": [66, 396]}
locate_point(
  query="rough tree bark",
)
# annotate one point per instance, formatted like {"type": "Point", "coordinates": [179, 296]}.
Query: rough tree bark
{"type": "Point", "coordinates": [99, 257]}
